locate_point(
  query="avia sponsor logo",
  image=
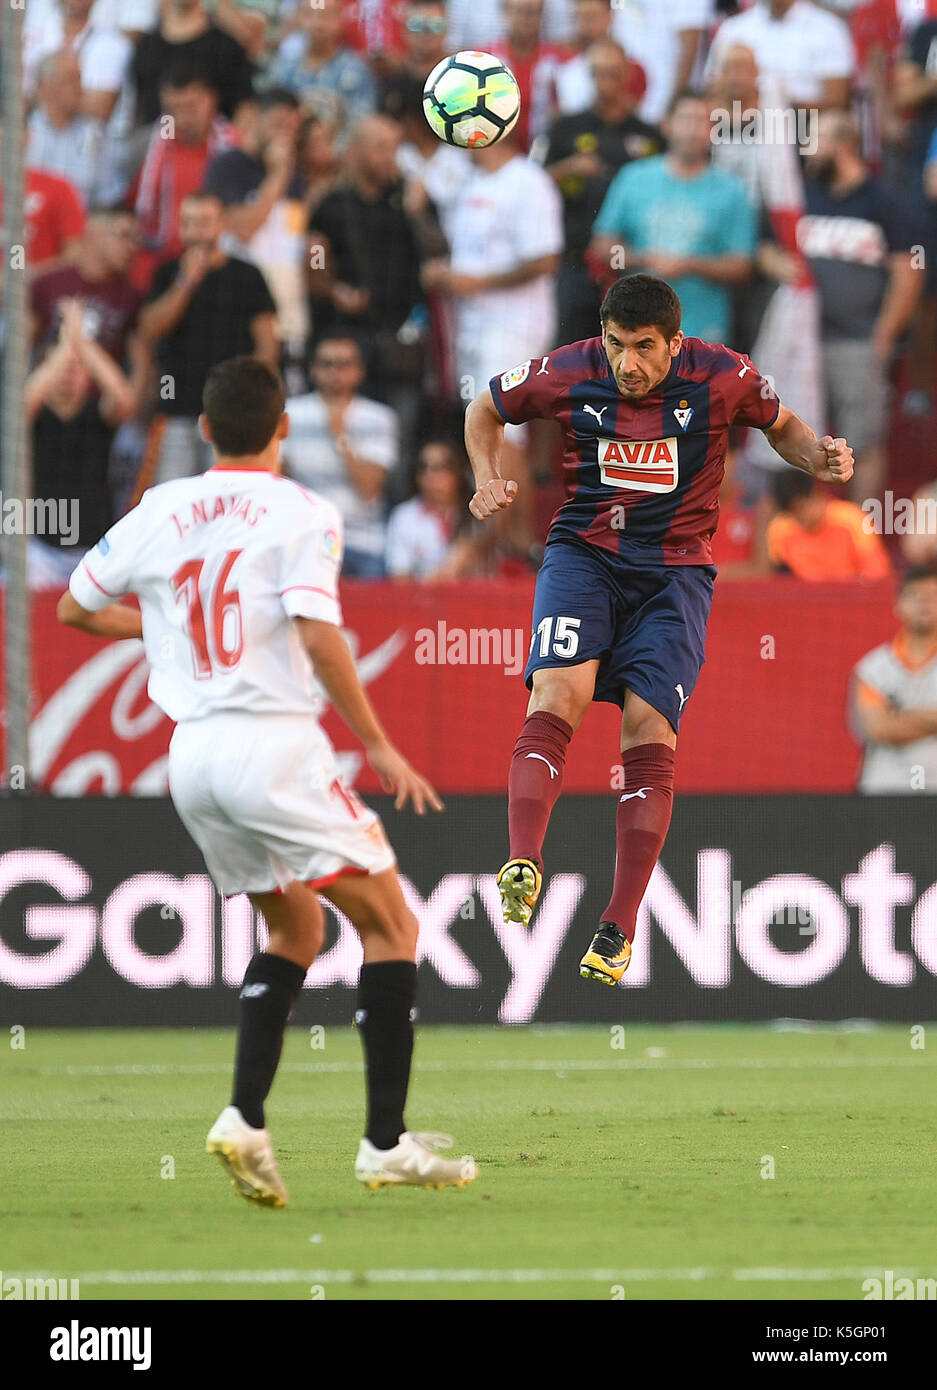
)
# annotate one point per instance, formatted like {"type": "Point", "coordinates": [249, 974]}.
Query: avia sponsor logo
{"type": "Point", "coordinates": [647, 465]}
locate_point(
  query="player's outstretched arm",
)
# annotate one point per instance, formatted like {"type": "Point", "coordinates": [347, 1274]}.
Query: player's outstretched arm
{"type": "Point", "coordinates": [484, 438]}
{"type": "Point", "coordinates": [115, 621]}
{"type": "Point", "coordinates": [830, 460]}
{"type": "Point", "coordinates": [335, 668]}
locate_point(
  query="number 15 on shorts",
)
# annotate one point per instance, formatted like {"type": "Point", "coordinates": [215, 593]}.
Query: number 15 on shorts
{"type": "Point", "coordinates": [559, 636]}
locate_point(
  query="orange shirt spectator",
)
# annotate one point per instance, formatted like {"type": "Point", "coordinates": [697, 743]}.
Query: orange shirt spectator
{"type": "Point", "coordinates": [818, 537]}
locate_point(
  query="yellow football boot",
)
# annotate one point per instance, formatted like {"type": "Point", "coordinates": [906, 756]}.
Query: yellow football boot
{"type": "Point", "coordinates": [608, 957]}
{"type": "Point", "coordinates": [519, 883]}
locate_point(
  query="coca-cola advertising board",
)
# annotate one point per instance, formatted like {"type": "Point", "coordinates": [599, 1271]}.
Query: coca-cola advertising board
{"type": "Point", "coordinates": [444, 666]}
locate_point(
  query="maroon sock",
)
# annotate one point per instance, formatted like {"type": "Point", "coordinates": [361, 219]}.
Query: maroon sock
{"type": "Point", "coordinates": [535, 780]}
{"type": "Point", "coordinates": [640, 829]}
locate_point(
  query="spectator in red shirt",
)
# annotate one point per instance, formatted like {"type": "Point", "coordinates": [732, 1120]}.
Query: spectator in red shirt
{"type": "Point", "coordinates": [373, 28]}
{"type": "Point", "coordinates": [534, 64]}
{"type": "Point", "coordinates": [54, 217]}
{"type": "Point", "coordinates": [184, 141]}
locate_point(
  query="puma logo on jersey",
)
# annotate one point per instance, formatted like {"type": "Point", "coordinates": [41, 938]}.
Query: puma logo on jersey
{"type": "Point", "coordinates": [647, 465]}
{"type": "Point", "coordinates": [683, 698]}
{"type": "Point", "coordinates": [629, 796]}
{"type": "Point", "coordinates": [588, 409]}
{"type": "Point", "coordinates": [553, 771]}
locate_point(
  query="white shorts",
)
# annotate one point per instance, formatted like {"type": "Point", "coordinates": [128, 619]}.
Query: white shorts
{"type": "Point", "coordinates": [261, 797]}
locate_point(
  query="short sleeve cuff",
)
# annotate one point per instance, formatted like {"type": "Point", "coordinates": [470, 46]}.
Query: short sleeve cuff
{"type": "Point", "coordinates": [306, 601]}
{"type": "Point", "coordinates": [495, 389]}
{"type": "Point", "coordinates": [87, 590]}
{"type": "Point", "coordinates": [774, 414]}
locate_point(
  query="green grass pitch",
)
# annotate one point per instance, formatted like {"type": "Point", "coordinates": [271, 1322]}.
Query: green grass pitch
{"type": "Point", "coordinates": [607, 1171]}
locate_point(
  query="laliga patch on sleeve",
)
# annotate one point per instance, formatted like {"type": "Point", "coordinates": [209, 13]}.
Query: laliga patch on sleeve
{"type": "Point", "coordinates": [516, 376]}
{"type": "Point", "coordinates": [331, 543]}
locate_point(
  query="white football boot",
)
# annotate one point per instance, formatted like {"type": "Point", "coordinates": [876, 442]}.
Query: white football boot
{"type": "Point", "coordinates": [247, 1154]}
{"type": "Point", "coordinates": [413, 1162]}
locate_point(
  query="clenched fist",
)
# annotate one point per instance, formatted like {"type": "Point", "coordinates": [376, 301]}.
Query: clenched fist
{"type": "Point", "coordinates": [837, 467]}
{"type": "Point", "coordinates": [493, 496]}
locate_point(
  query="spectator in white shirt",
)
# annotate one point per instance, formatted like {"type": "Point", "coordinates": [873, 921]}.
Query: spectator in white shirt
{"type": "Point", "coordinates": [507, 237]}
{"type": "Point", "coordinates": [62, 140]}
{"type": "Point", "coordinates": [664, 37]}
{"type": "Point", "coordinates": [807, 49]}
{"type": "Point", "coordinates": [427, 536]}
{"type": "Point", "coordinates": [480, 23]}
{"type": "Point", "coordinates": [104, 54]}
{"type": "Point", "coordinates": [575, 89]}
{"type": "Point", "coordinates": [344, 446]}
{"type": "Point", "coordinates": [131, 17]}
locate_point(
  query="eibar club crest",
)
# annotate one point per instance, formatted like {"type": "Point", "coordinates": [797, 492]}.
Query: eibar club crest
{"type": "Point", "coordinates": [683, 414]}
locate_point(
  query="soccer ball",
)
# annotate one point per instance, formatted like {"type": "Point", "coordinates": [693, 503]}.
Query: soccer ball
{"type": "Point", "coordinates": [471, 99]}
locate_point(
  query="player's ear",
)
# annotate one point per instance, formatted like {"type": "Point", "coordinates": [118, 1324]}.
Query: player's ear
{"type": "Point", "coordinates": [283, 426]}
{"type": "Point", "coordinates": [204, 428]}
{"type": "Point", "coordinates": [676, 342]}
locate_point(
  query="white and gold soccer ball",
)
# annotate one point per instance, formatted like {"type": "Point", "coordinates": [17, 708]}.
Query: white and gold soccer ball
{"type": "Point", "coordinates": [471, 99]}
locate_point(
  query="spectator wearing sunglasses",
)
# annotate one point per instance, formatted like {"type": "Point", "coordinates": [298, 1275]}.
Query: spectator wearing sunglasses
{"type": "Point", "coordinates": [424, 37]}
{"type": "Point", "coordinates": [428, 536]}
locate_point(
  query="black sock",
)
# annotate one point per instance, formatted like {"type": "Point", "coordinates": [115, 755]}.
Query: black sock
{"type": "Point", "coordinates": [270, 989]}
{"type": "Point", "coordinates": [386, 997]}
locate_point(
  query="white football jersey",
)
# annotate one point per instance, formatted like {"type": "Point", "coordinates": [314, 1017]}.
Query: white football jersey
{"type": "Point", "coordinates": [221, 563]}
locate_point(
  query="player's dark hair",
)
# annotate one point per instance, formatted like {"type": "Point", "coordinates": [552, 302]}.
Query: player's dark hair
{"type": "Point", "coordinates": [642, 301]}
{"type": "Point", "coordinates": [243, 400]}
{"type": "Point", "coordinates": [791, 484]}
{"type": "Point", "coordinates": [915, 574]}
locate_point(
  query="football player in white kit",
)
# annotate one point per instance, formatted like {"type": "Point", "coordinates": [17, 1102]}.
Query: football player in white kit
{"type": "Point", "coordinates": [236, 572]}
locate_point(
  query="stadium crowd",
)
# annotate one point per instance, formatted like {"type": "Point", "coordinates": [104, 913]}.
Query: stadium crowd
{"type": "Point", "coordinates": [209, 177]}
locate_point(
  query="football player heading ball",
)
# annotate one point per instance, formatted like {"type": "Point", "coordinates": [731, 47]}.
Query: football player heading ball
{"type": "Point", "coordinates": [624, 592]}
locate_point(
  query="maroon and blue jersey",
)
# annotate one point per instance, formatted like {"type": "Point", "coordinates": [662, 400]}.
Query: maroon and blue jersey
{"type": "Point", "coordinates": [642, 477]}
